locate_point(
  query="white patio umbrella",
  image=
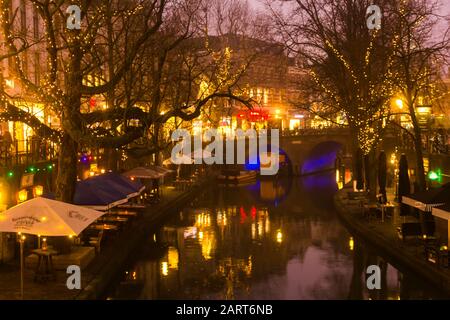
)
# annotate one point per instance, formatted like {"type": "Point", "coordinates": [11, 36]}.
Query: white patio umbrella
{"type": "Point", "coordinates": [42, 216]}
{"type": "Point", "coordinates": [143, 173]}
{"type": "Point", "coordinates": [183, 159]}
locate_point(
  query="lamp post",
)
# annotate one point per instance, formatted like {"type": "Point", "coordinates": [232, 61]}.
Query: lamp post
{"type": "Point", "coordinates": [21, 242]}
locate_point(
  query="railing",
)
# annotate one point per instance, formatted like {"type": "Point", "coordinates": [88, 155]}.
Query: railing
{"type": "Point", "coordinates": [313, 131]}
{"type": "Point", "coordinates": [439, 142]}
{"type": "Point", "coordinates": [24, 152]}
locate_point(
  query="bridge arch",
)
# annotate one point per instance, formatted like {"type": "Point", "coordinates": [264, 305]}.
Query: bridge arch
{"type": "Point", "coordinates": [322, 157]}
{"type": "Point", "coordinates": [285, 161]}
{"type": "Point", "coordinates": [316, 151]}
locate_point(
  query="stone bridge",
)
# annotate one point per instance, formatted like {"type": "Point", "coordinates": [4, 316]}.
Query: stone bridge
{"type": "Point", "coordinates": [315, 150]}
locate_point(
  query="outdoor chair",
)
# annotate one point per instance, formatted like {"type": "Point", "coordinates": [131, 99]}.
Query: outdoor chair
{"type": "Point", "coordinates": [435, 252]}
{"type": "Point", "coordinates": [432, 254]}
{"type": "Point", "coordinates": [370, 210]}
{"type": "Point", "coordinates": [444, 260]}
{"type": "Point", "coordinates": [96, 241]}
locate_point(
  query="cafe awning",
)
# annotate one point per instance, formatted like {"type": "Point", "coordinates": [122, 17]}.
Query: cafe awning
{"type": "Point", "coordinates": [93, 196]}
{"type": "Point", "coordinates": [119, 183]}
{"type": "Point", "coordinates": [426, 200]}
{"type": "Point", "coordinates": [442, 212]}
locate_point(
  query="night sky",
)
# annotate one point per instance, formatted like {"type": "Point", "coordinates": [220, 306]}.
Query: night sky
{"type": "Point", "coordinates": [259, 4]}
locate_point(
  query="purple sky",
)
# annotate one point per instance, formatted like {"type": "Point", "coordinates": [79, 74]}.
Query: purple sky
{"type": "Point", "coordinates": [258, 4]}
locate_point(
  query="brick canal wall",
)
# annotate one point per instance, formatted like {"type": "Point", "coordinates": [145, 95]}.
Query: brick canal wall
{"type": "Point", "coordinates": [385, 241]}
{"type": "Point", "coordinates": [108, 265]}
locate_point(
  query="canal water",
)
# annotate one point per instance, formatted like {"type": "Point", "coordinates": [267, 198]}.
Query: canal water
{"type": "Point", "coordinates": [275, 239]}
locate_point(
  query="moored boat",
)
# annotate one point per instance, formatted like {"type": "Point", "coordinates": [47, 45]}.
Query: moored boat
{"type": "Point", "coordinates": [236, 177]}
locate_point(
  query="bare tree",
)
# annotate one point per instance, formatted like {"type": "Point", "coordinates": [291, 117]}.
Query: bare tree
{"type": "Point", "coordinates": [358, 71]}
{"type": "Point", "coordinates": [421, 52]}
{"type": "Point", "coordinates": [348, 66]}
{"type": "Point", "coordinates": [109, 47]}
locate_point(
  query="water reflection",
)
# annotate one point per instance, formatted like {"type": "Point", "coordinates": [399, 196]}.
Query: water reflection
{"type": "Point", "coordinates": [273, 240]}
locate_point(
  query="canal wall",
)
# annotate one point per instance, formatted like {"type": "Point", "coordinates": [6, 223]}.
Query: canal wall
{"type": "Point", "coordinates": [386, 241]}
{"type": "Point", "coordinates": [108, 265]}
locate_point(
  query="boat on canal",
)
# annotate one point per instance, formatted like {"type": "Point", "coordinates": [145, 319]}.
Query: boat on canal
{"type": "Point", "coordinates": [236, 177]}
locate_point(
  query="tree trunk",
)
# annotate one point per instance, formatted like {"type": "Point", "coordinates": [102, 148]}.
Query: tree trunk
{"type": "Point", "coordinates": [156, 135]}
{"type": "Point", "coordinates": [67, 169]}
{"type": "Point", "coordinates": [358, 173]}
{"type": "Point", "coordinates": [357, 165]}
{"type": "Point", "coordinates": [370, 165]}
{"type": "Point", "coordinates": [420, 170]}
{"type": "Point", "coordinates": [113, 159]}
{"type": "Point", "coordinates": [68, 156]}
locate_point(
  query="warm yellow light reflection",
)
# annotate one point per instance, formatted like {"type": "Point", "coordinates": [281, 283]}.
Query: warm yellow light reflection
{"type": "Point", "coordinates": [203, 220]}
{"type": "Point", "coordinates": [165, 268]}
{"type": "Point", "coordinates": [222, 219]}
{"type": "Point", "coordinates": [208, 245]}
{"type": "Point", "coordinates": [173, 258]}
{"type": "Point", "coordinates": [260, 230]}
{"type": "Point", "coordinates": [351, 244]}
{"type": "Point", "coordinates": [279, 236]}
{"type": "Point", "coordinates": [248, 267]}
{"type": "Point", "coordinates": [267, 225]}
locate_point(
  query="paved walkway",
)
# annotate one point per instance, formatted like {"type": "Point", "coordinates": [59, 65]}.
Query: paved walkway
{"type": "Point", "coordinates": [384, 237]}
{"type": "Point", "coordinates": [57, 290]}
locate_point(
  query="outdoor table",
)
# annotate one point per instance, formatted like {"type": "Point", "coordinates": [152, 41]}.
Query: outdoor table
{"type": "Point", "coordinates": [383, 209]}
{"type": "Point", "coordinates": [44, 267]}
{"type": "Point", "coordinates": [367, 208]}
{"type": "Point", "coordinates": [132, 206]}
{"type": "Point", "coordinates": [125, 213]}
{"type": "Point", "coordinates": [183, 184]}
{"type": "Point", "coordinates": [115, 218]}
{"type": "Point", "coordinates": [104, 226]}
